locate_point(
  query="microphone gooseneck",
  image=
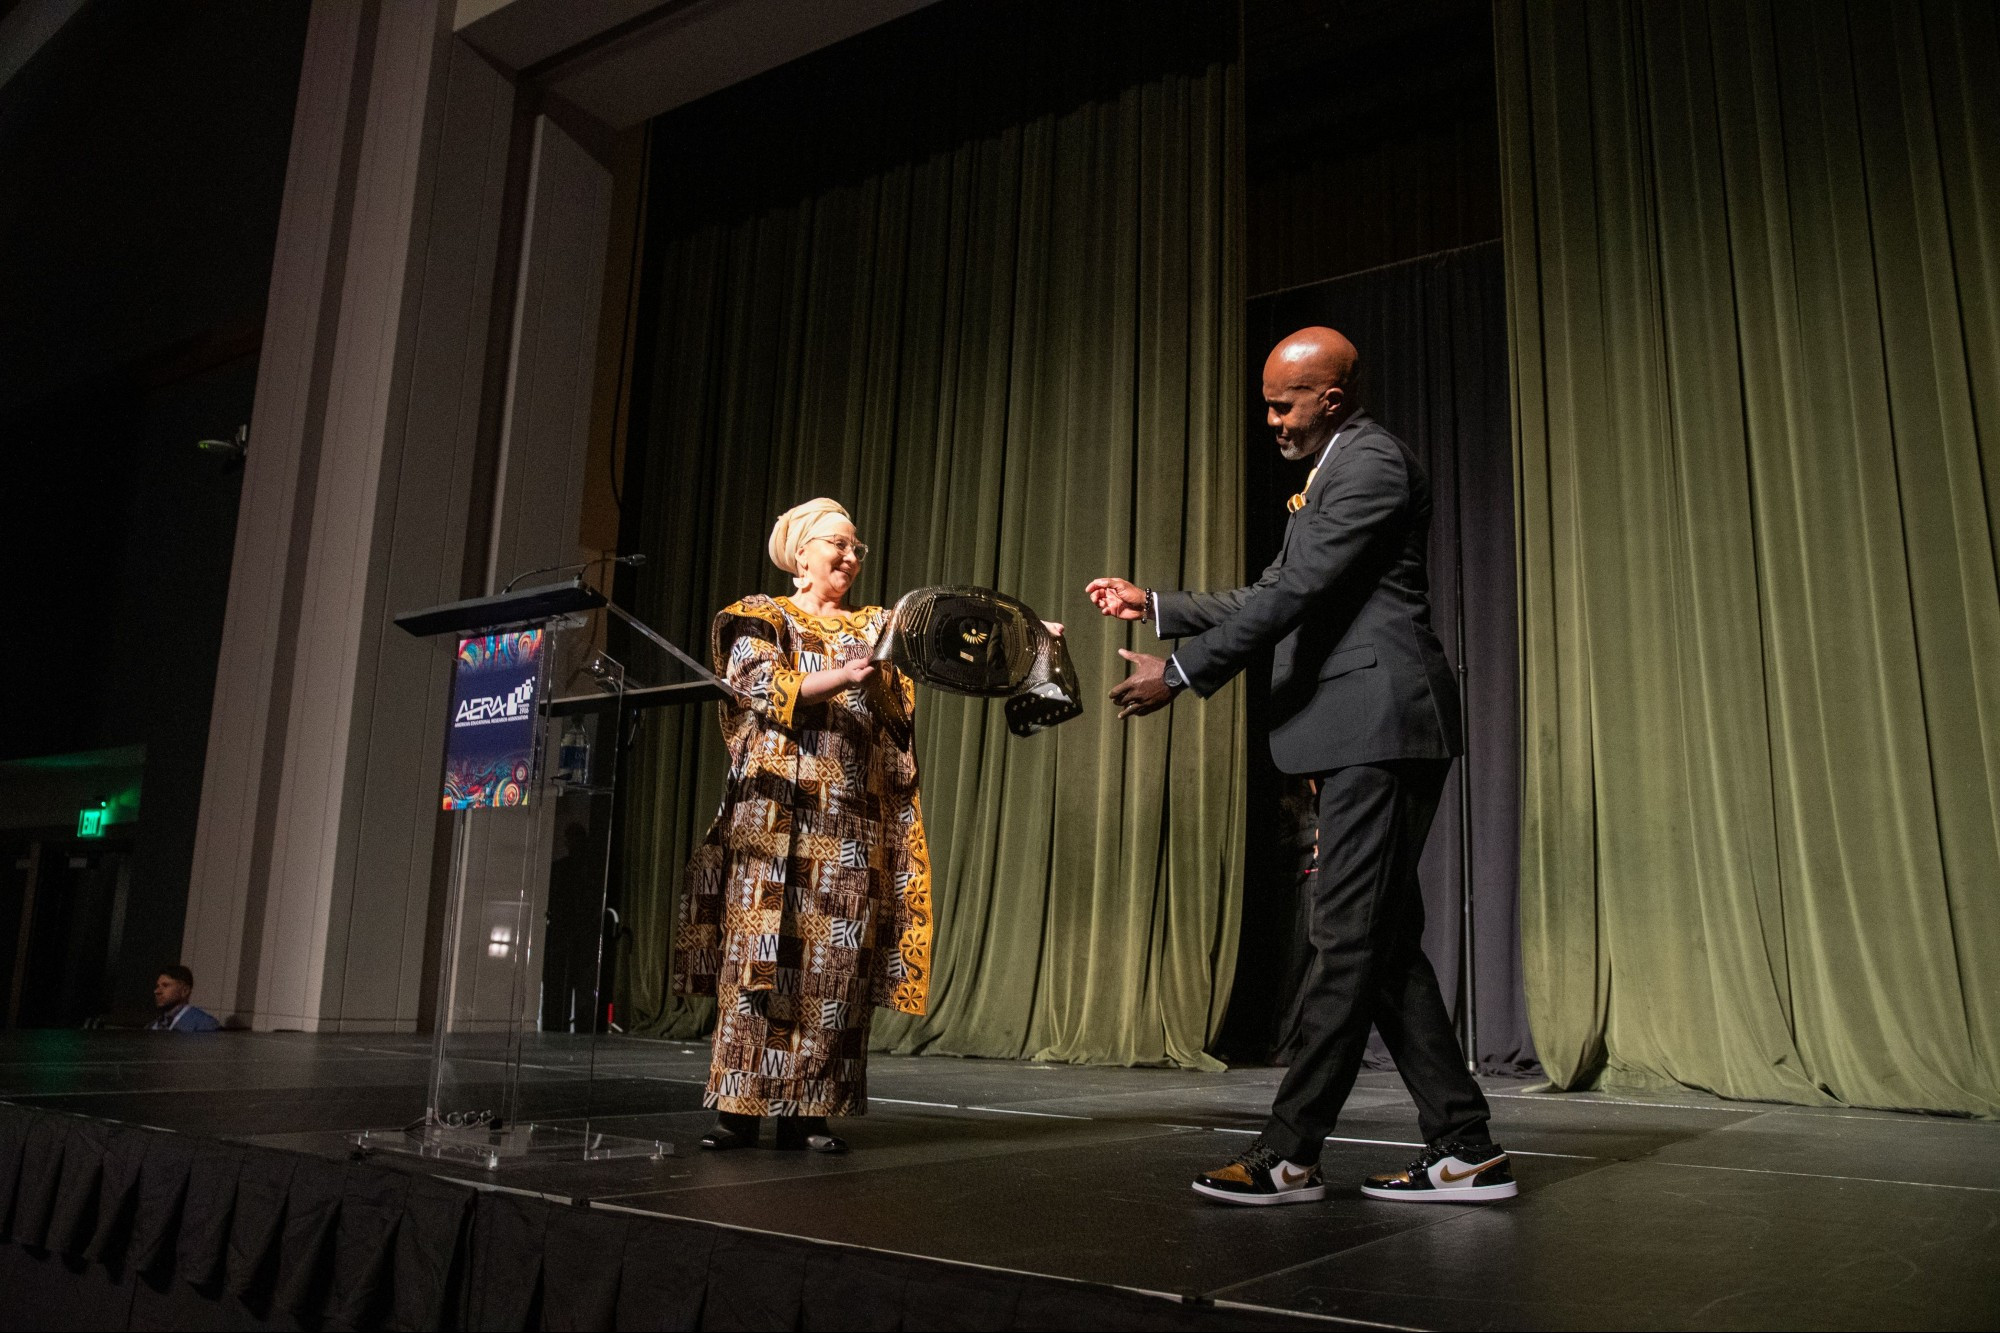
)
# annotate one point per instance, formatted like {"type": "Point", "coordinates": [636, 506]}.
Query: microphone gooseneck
{"type": "Point", "coordinates": [635, 559]}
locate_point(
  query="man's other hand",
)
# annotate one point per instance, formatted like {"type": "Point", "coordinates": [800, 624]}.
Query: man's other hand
{"type": "Point", "coordinates": [1144, 691]}
{"type": "Point", "coordinates": [1116, 597]}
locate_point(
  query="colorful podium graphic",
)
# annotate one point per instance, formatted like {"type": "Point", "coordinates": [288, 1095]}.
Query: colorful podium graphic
{"type": "Point", "coordinates": [489, 757]}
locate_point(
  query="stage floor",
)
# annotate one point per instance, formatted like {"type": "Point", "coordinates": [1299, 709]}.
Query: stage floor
{"type": "Point", "coordinates": [1667, 1211]}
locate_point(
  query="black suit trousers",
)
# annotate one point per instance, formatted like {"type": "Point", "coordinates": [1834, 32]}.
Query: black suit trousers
{"type": "Point", "coordinates": [1368, 965]}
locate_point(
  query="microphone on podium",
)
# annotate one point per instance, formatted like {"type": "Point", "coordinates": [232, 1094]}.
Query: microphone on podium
{"type": "Point", "coordinates": [635, 559]}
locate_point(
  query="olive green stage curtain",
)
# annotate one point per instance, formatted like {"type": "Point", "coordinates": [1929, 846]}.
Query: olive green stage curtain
{"type": "Point", "coordinates": [1000, 320]}
{"type": "Point", "coordinates": [1754, 266]}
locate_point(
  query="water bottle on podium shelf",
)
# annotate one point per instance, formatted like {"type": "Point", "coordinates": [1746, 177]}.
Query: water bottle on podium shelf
{"type": "Point", "coordinates": [573, 757]}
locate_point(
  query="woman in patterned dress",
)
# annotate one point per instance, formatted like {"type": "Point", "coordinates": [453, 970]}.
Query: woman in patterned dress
{"type": "Point", "coordinates": [809, 901]}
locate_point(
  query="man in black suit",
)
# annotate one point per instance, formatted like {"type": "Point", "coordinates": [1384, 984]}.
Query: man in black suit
{"type": "Point", "coordinates": [1366, 704]}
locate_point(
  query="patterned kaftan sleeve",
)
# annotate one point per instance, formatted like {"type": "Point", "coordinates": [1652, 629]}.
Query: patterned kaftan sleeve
{"type": "Point", "coordinates": [746, 647]}
{"type": "Point", "coordinates": [748, 656]}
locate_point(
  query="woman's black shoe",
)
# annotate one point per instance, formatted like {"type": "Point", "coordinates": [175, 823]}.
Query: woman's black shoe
{"type": "Point", "coordinates": [731, 1131]}
{"type": "Point", "coordinates": [808, 1133]}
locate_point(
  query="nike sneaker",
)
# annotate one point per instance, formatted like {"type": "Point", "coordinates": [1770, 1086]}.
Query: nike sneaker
{"type": "Point", "coordinates": [1261, 1177]}
{"type": "Point", "coordinates": [1448, 1173]}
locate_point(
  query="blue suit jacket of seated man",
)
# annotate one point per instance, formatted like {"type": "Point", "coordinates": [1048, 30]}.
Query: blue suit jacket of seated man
{"type": "Point", "coordinates": [187, 1018]}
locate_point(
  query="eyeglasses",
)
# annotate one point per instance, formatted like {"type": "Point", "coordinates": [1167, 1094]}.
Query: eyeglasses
{"type": "Point", "coordinates": [859, 550]}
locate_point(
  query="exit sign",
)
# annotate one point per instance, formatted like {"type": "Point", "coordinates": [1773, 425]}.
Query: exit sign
{"type": "Point", "coordinates": [90, 822]}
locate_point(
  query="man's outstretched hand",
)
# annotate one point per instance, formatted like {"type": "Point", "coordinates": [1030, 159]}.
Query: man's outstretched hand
{"type": "Point", "coordinates": [1144, 691]}
{"type": "Point", "coordinates": [1116, 597]}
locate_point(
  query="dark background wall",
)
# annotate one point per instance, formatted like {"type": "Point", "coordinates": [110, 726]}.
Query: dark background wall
{"type": "Point", "coordinates": [145, 148]}
{"type": "Point", "coordinates": [1373, 134]}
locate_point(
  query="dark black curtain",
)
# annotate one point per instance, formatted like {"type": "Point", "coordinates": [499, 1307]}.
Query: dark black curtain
{"type": "Point", "coordinates": [1433, 339]}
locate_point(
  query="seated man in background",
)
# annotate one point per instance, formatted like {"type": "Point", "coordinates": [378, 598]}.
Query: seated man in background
{"type": "Point", "coordinates": [171, 992]}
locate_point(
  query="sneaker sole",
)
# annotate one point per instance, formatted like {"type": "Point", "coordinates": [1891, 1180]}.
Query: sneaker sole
{"type": "Point", "coordinates": [1305, 1194]}
{"type": "Point", "coordinates": [1484, 1194]}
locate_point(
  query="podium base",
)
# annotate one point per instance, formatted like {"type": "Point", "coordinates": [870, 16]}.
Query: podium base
{"type": "Point", "coordinates": [516, 1145]}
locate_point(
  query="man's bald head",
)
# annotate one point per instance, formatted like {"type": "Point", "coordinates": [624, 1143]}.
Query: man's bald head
{"type": "Point", "coordinates": [1314, 358]}
{"type": "Point", "coordinates": [1306, 379]}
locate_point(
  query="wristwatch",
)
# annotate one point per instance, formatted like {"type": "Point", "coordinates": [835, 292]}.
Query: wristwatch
{"type": "Point", "coordinates": [1172, 677]}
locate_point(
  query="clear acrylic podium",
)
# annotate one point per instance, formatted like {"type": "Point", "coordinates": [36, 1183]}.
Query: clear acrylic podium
{"type": "Point", "coordinates": [522, 961]}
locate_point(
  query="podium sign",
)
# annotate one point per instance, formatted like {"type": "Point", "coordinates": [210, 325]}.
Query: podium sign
{"type": "Point", "coordinates": [491, 749]}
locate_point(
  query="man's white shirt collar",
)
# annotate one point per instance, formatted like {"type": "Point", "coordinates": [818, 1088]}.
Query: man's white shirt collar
{"type": "Point", "coordinates": [1326, 450]}
{"type": "Point", "coordinates": [1333, 440]}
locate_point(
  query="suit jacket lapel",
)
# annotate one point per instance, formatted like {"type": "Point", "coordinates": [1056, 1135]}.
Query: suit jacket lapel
{"type": "Point", "coordinates": [1341, 439]}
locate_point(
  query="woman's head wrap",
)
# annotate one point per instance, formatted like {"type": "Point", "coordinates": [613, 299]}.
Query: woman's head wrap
{"type": "Point", "coordinates": [799, 525]}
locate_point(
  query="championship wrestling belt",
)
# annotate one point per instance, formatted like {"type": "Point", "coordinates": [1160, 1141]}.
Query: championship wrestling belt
{"type": "Point", "coordinates": [984, 643]}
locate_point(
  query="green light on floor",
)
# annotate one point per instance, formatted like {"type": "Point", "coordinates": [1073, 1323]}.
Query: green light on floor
{"type": "Point", "coordinates": [90, 821]}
